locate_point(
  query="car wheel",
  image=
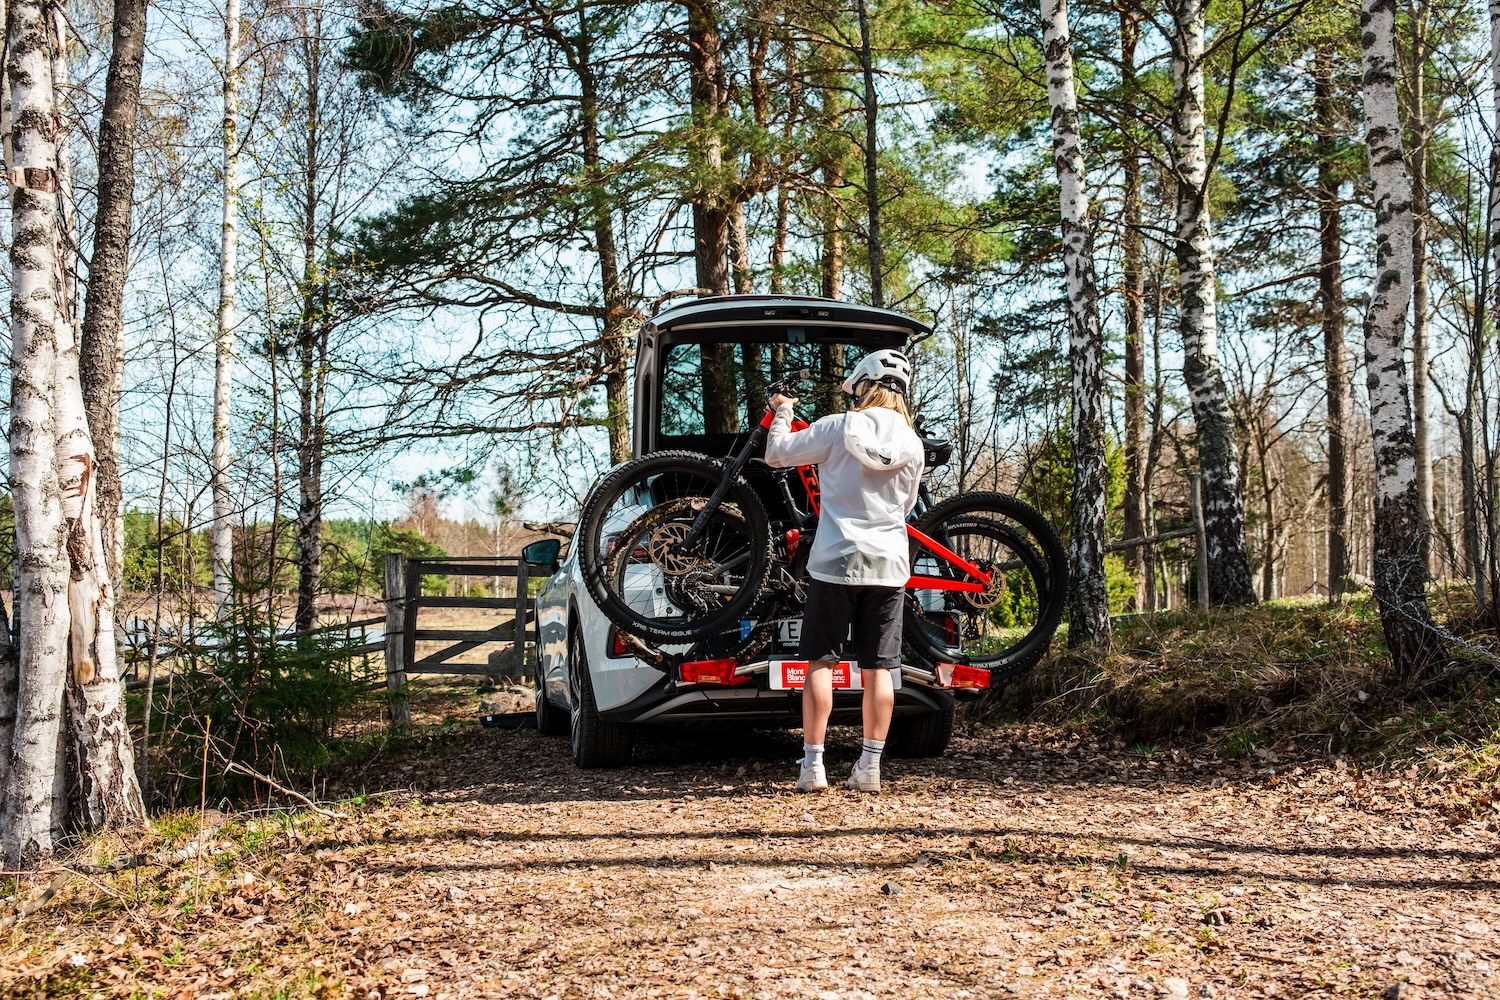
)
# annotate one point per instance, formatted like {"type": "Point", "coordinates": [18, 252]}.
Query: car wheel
{"type": "Point", "coordinates": [925, 735]}
{"type": "Point", "coordinates": [595, 742]}
{"type": "Point", "coordinates": [550, 720]}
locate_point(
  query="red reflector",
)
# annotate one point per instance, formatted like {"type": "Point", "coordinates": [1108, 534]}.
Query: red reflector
{"type": "Point", "coordinates": [617, 647]}
{"type": "Point", "coordinates": [712, 672]}
{"type": "Point", "coordinates": [961, 675]}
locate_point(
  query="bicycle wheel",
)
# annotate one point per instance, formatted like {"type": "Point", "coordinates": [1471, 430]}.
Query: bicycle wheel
{"type": "Point", "coordinates": [1005, 627]}
{"type": "Point", "coordinates": [636, 566]}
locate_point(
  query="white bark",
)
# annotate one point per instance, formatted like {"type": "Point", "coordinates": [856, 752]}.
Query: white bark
{"type": "Point", "coordinates": [109, 793]}
{"type": "Point", "coordinates": [34, 805]}
{"type": "Point", "coordinates": [1223, 505]}
{"type": "Point", "coordinates": [1494, 206]}
{"type": "Point", "coordinates": [223, 529]}
{"type": "Point", "coordinates": [67, 222]}
{"type": "Point", "coordinates": [1400, 571]}
{"type": "Point", "coordinates": [1089, 596]}
{"type": "Point", "coordinates": [105, 759]}
{"type": "Point", "coordinates": [9, 668]}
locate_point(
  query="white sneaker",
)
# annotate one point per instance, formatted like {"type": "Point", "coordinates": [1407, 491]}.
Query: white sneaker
{"type": "Point", "coordinates": [864, 779]}
{"type": "Point", "coordinates": [812, 779]}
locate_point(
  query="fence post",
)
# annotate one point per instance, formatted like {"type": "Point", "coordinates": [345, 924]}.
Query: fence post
{"type": "Point", "coordinates": [518, 645]}
{"type": "Point", "coordinates": [395, 639]}
{"type": "Point", "coordinates": [1195, 490]}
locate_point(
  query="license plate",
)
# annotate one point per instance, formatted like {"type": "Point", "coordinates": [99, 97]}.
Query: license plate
{"type": "Point", "coordinates": [789, 633]}
{"type": "Point", "coordinates": [791, 675]}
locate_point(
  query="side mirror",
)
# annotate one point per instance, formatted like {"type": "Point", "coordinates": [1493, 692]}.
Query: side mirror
{"type": "Point", "coordinates": [543, 553]}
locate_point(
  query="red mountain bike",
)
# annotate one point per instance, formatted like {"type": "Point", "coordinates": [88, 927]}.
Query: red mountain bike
{"type": "Point", "coordinates": [678, 549]}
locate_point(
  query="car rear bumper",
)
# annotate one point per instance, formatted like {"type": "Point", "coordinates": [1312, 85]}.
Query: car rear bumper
{"type": "Point", "coordinates": [670, 704]}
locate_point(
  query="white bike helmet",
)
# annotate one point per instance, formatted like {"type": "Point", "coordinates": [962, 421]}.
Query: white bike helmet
{"type": "Point", "coordinates": [888, 368]}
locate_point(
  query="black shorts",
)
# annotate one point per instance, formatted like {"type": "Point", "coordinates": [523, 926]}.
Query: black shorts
{"type": "Point", "coordinates": [874, 613]}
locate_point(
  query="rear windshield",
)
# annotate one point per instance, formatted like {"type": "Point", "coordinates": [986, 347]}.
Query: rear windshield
{"type": "Point", "coordinates": [721, 388]}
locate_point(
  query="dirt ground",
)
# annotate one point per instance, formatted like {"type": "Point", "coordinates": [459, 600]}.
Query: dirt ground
{"type": "Point", "coordinates": [1028, 862]}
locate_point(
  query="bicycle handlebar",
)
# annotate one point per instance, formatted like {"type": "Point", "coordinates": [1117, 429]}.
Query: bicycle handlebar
{"type": "Point", "coordinates": [791, 385]}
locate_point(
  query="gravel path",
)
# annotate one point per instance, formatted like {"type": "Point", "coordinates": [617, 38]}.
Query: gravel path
{"type": "Point", "coordinates": [1027, 862]}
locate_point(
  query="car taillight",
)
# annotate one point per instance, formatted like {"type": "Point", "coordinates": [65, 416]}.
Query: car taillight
{"type": "Point", "coordinates": [617, 647]}
{"type": "Point", "coordinates": [712, 672]}
{"type": "Point", "coordinates": [950, 629]}
{"type": "Point", "coordinates": [961, 675]}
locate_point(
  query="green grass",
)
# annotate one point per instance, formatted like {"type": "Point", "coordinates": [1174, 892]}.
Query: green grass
{"type": "Point", "coordinates": [1285, 672]}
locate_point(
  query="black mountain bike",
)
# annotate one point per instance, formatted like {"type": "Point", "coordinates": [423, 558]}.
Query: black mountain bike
{"type": "Point", "coordinates": [678, 548]}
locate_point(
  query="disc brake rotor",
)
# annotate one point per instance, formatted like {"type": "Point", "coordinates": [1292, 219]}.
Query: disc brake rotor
{"type": "Point", "coordinates": [990, 596]}
{"type": "Point", "coordinates": [663, 548]}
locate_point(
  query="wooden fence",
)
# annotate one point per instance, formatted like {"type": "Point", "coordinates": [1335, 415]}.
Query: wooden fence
{"type": "Point", "coordinates": [404, 602]}
{"type": "Point", "coordinates": [1197, 532]}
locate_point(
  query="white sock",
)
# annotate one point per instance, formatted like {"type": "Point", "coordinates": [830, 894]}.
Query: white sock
{"type": "Point", "coordinates": [869, 758]}
{"type": "Point", "coordinates": [812, 753]}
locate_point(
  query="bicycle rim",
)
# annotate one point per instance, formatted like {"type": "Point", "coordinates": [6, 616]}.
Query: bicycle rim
{"type": "Point", "coordinates": [644, 500]}
{"type": "Point", "coordinates": [669, 590]}
{"type": "Point", "coordinates": [1006, 626]}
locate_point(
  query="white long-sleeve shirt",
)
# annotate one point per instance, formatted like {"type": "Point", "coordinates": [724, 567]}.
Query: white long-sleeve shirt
{"type": "Point", "coordinates": [869, 468]}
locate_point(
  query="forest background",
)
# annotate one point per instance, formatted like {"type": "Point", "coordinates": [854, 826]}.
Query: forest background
{"type": "Point", "coordinates": [383, 265]}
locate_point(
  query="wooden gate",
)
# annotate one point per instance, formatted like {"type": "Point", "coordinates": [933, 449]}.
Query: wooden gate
{"type": "Point", "coordinates": [404, 602]}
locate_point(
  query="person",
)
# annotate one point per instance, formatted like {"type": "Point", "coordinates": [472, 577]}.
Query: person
{"type": "Point", "coordinates": [869, 463]}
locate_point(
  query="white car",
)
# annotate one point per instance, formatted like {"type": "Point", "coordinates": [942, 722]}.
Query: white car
{"type": "Point", "coordinates": [697, 366]}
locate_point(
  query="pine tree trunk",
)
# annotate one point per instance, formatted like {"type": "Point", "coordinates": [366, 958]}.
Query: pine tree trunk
{"type": "Point", "coordinates": [1400, 572]}
{"type": "Point", "coordinates": [831, 257]}
{"type": "Point", "coordinates": [779, 238]}
{"type": "Point", "coordinates": [710, 209]}
{"type": "Point", "coordinates": [871, 151]}
{"type": "Point", "coordinates": [1133, 291]}
{"type": "Point", "coordinates": [102, 351]}
{"type": "Point", "coordinates": [739, 251]}
{"type": "Point", "coordinates": [223, 528]}
{"type": "Point", "coordinates": [1088, 597]}
{"type": "Point", "coordinates": [1331, 305]}
{"type": "Point", "coordinates": [1229, 581]}
{"type": "Point", "coordinates": [615, 336]}
{"type": "Point", "coordinates": [782, 226]}
{"type": "Point", "coordinates": [35, 806]}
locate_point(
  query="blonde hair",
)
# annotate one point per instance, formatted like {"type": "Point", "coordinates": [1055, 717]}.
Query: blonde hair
{"type": "Point", "coordinates": [879, 395]}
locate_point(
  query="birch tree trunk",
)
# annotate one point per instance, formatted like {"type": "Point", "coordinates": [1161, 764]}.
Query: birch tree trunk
{"type": "Point", "coordinates": [1088, 597]}
{"type": "Point", "coordinates": [34, 801]}
{"type": "Point", "coordinates": [102, 351]}
{"type": "Point", "coordinates": [1133, 290]}
{"type": "Point", "coordinates": [1400, 570]}
{"type": "Point", "coordinates": [1229, 581]}
{"type": "Point", "coordinates": [9, 679]}
{"type": "Point", "coordinates": [1421, 134]}
{"type": "Point", "coordinates": [104, 761]}
{"type": "Point", "coordinates": [312, 347]}
{"type": "Point", "coordinates": [223, 529]}
{"type": "Point", "coordinates": [109, 794]}
{"type": "Point", "coordinates": [1331, 304]}
{"type": "Point", "coordinates": [1485, 558]}
{"type": "Point", "coordinates": [10, 666]}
